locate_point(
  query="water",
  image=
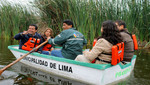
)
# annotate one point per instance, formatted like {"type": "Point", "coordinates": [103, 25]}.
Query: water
{"type": "Point", "coordinates": [140, 74]}
{"type": "Point", "coordinates": [20, 74]}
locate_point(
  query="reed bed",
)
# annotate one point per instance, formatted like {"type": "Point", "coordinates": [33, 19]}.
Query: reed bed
{"type": "Point", "coordinates": [14, 19]}
{"type": "Point", "coordinates": [88, 15]}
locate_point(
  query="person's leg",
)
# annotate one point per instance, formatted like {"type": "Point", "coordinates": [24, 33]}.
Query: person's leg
{"type": "Point", "coordinates": [82, 59]}
{"type": "Point", "coordinates": [45, 52]}
{"type": "Point", "coordinates": [56, 53]}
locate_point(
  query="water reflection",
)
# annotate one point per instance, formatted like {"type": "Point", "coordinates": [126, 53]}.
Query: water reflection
{"type": "Point", "coordinates": [7, 77]}
{"type": "Point", "coordinates": [6, 56]}
{"type": "Point", "coordinates": [140, 74]}
{"type": "Point", "coordinates": [31, 76]}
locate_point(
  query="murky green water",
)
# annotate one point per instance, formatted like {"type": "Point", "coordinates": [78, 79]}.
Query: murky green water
{"type": "Point", "coordinates": [20, 74]}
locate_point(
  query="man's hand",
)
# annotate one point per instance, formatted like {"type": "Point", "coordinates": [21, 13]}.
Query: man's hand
{"type": "Point", "coordinates": [25, 32]}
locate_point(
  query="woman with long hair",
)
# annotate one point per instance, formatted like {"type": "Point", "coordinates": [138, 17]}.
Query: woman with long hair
{"type": "Point", "coordinates": [110, 36]}
{"type": "Point", "coordinates": [47, 47]}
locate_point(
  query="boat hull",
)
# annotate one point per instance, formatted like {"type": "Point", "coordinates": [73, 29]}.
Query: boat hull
{"type": "Point", "coordinates": [97, 74]}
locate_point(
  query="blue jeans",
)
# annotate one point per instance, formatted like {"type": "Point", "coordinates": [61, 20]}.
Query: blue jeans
{"type": "Point", "coordinates": [45, 52]}
{"type": "Point", "coordinates": [56, 53]}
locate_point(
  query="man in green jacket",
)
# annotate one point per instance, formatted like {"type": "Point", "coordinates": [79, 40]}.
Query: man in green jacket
{"type": "Point", "coordinates": [71, 40]}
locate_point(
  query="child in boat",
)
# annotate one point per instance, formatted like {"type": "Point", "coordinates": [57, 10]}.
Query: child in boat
{"type": "Point", "coordinates": [47, 47]}
{"type": "Point", "coordinates": [127, 39]}
{"type": "Point", "coordinates": [110, 36]}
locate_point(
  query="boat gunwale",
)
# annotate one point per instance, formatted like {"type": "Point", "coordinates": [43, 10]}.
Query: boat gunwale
{"type": "Point", "coordinates": [91, 65]}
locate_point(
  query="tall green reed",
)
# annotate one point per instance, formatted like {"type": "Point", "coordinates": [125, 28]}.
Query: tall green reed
{"type": "Point", "coordinates": [88, 15]}
{"type": "Point", "coordinates": [13, 19]}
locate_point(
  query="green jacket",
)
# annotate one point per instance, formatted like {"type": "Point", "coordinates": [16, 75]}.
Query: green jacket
{"type": "Point", "coordinates": [72, 42]}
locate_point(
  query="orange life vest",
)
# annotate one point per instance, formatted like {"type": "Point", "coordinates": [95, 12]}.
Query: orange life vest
{"type": "Point", "coordinates": [117, 53]}
{"type": "Point", "coordinates": [30, 44]}
{"type": "Point", "coordinates": [47, 47]}
{"type": "Point", "coordinates": [94, 42]}
{"type": "Point", "coordinates": [135, 42]}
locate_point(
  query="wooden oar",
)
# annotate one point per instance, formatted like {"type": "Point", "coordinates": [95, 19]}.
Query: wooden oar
{"type": "Point", "coordinates": [3, 69]}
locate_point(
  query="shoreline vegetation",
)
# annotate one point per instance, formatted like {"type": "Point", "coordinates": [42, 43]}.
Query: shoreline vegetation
{"type": "Point", "coordinates": [87, 16]}
{"type": "Point", "coordinates": [14, 19]}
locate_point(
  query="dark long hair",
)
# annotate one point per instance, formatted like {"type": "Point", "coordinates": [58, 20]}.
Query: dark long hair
{"type": "Point", "coordinates": [110, 32]}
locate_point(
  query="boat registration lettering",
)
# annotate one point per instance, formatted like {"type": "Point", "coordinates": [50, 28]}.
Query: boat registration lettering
{"type": "Point", "coordinates": [121, 73]}
{"type": "Point", "coordinates": [51, 65]}
{"type": "Point", "coordinates": [65, 68]}
{"type": "Point", "coordinates": [36, 61]}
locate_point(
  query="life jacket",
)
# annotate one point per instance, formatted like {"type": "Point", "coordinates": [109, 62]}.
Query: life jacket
{"type": "Point", "coordinates": [134, 40]}
{"type": "Point", "coordinates": [94, 42]}
{"type": "Point", "coordinates": [30, 44]}
{"type": "Point", "coordinates": [47, 47]}
{"type": "Point", "coordinates": [117, 53]}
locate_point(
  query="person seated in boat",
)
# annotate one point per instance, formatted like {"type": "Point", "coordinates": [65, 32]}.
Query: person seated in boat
{"type": "Point", "coordinates": [103, 48]}
{"type": "Point", "coordinates": [71, 40]}
{"type": "Point", "coordinates": [47, 47]}
{"type": "Point", "coordinates": [127, 39]}
{"type": "Point", "coordinates": [29, 39]}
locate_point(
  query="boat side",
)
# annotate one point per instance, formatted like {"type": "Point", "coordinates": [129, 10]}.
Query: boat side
{"type": "Point", "coordinates": [95, 66]}
{"type": "Point", "coordinates": [75, 70]}
{"type": "Point", "coordinates": [119, 72]}
{"type": "Point", "coordinates": [80, 71]}
{"type": "Point", "coordinates": [42, 76]}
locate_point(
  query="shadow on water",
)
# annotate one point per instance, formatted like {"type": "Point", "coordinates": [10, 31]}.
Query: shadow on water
{"type": "Point", "coordinates": [20, 74]}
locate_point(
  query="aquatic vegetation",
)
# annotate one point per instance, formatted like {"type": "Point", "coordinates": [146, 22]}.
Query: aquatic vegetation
{"type": "Point", "coordinates": [14, 19]}
{"type": "Point", "coordinates": [89, 14]}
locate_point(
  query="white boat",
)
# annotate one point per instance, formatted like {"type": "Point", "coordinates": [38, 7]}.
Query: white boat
{"type": "Point", "coordinates": [26, 72]}
{"type": "Point", "coordinates": [95, 74]}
